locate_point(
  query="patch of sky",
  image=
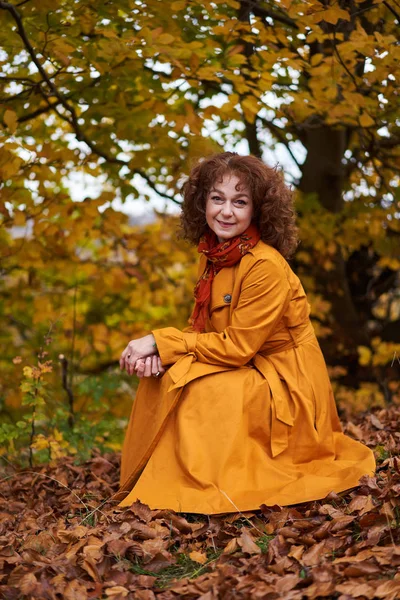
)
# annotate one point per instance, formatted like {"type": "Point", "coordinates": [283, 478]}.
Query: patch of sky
{"type": "Point", "coordinates": [368, 65]}
{"type": "Point", "coordinates": [158, 66]}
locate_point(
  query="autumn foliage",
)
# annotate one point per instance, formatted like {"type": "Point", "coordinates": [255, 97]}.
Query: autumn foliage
{"type": "Point", "coordinates": [103, 104]}
{"type": "Point", "coordinates": [120, 98]}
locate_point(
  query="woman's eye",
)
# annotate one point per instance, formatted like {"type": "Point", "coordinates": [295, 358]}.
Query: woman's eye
{"type": "Point", "coordinates": [216, 198]}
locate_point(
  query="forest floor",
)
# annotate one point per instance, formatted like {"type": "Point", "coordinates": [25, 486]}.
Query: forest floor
{"type": "Point", "coordinates": [60, 538]}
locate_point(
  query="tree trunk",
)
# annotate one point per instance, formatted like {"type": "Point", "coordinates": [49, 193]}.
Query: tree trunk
{"type": "Point", "coordinates": [323, 174]}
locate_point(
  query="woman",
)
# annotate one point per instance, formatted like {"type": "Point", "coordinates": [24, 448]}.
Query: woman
{"type": "Point", "coordinates": [237, 410]}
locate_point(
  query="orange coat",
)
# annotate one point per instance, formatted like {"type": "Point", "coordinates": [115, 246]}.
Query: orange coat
{"type": "Point", "coordinates": [245, 414]}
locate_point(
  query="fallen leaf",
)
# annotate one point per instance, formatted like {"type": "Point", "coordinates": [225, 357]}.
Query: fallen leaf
{"type": "Point", "coordinates": [75, 591]}
{"type": "Point", "coordinates": [354, 430]}
{"type": "Point", "coordinates": [388, 588]}
{"type": "Point", "coordinates": [199, 557]}
{"type": "Point", "coordinates": [73, 534]}
{"type": "Point", "coordinates": [116, 592]}
{"type": "Point", "coordinates": [356, 589]}
{"type": "Point", "coordinates": [360, 569]}
{"type": "Point", "coordinates": [286, 583]}
{"type": "Point", "coordinates": [231, 546]}
{"type": "Point", "coordinates": [376, 422]}
{"type": "Point", "coordinates": [296, 552]}
{"type": "Point", "coordinates": [28, 584]}
{"type": "Point", "coordinates": [247, 543]}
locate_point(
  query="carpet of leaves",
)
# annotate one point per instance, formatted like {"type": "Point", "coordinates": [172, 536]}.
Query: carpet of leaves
{"type": "Point", "coordinates": [60, 537]}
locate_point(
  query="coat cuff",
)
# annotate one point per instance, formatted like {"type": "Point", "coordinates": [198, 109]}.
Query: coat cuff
{"type": "Point", "coordinates": [172, 343]}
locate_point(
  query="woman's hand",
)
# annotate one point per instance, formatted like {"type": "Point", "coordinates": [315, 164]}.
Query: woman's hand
{"type": "Point", "coordinates": [140, 348]}
{"type": "Point", "coordinates": [150, 366]}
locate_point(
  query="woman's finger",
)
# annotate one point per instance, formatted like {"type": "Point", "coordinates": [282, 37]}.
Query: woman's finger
{"type": "Point", "coordinates": [122, 358]}
{"type": "Point", "coordinates": [130, 368]}
{"type": "Point", "coordinates": [139, 367]}
{"type": "Point", "coordinates": [154, 365]}
{"type": "Point", "coordinates": [147, 368]}
{"type": "Point", "coordinates": [160, 367]}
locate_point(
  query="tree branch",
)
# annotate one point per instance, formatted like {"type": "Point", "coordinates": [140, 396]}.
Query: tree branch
{"type": "Point", "coordinates": [279, 134]}
{"type": "Point", "coordinates": [395, 13]}
{"type": "Point", "coordinates": [260, 11]}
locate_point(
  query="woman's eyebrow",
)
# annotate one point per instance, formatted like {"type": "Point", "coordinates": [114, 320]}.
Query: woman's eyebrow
{"type": "Point", "coordinates": [235, 196]}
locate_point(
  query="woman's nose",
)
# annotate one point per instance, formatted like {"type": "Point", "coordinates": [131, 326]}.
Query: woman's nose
{"type": "Point", "coordinates": [226, 208]}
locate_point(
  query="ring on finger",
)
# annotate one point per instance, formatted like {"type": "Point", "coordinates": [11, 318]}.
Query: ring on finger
{"type": "Point", "coordinates": [157, 374]}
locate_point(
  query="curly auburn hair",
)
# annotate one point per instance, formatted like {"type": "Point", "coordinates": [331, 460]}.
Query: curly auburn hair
{"type": "Point", "coordinates": [272, 199]}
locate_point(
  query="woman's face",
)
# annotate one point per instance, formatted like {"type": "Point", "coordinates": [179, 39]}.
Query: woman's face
{"type": "Point", "coordinates": [228, 211]}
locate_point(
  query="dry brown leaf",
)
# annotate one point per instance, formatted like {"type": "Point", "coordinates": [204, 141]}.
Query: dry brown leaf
{"type": "Point", "coordinates": [142, 511]}
{"type": "Point", "coordinates": [313, 555]}
{"type": "Point", "coordinates": [93, 551]}
{"type": "Point", "coordinates": [368, 519]}
{"type": "Point", "coordinates": [323, 574]}
{"type": "Point", "coordinates": [179, 522]}
{"type": "Point", "coordinates": [73, 534]}
{"type": "Point", "coordinates": [160, 561]}
{"type": "Point", "coordinates": [90, 567]}
{"type": "Point", "coordinates": [296, 552]}
{"type": "Point", "coordinates": [328, 509]}
{"type": "Point", "coordinates": [146, 581]}
{"type": "Point", "coordinates": [354, 430]}
{"type": "Point", "coordinates": [117, 592]}
{"type": "Point", "coordinates": [319, 590]}
{"type": "Point", "coordinates": [142, 531]}
{"type": "Point", "coordinates": [387, 510]}
{"type": "Point", "coordinates": [360, 569]}
{"type": "Point", "coordinates": [119, 547]}
{"type": "Point", "coordinates": [286, 583]}
{"type": "Point", "coordinates": [356, 589]}
{"type": "Point", "coordinates": [376, 422]}
{"type": "Point", "coordinates": [144, 595]}
{"type": "Point", "coordinates": [357, 503]}
{"type": "Point", "coordinates": [388, 589]}
{"type": "Point", "coordinates": [340, 523]}
{"type": "Point", "coordinates": [289, 532]}
{"type": "Point", "coordinates": [75, 591]}
{"type": "Point", "coordinates": [153, 547]}
{"type": "Point", "coordinates": [247, 543]}
{"type": "Point", "coordinates": [28, 584]}
{"type": "Point", "coordinates": [231, 546]}
{"type": "Point", "coordinates": [207, 596]}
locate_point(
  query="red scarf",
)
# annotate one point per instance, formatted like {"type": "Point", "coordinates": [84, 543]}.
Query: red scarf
{"type": "Point", "coordinates": [219, 255]}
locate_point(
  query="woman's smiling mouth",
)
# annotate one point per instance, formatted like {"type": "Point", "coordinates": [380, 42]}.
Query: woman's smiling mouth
{"type": "Point", "coordinates": [223, 224]}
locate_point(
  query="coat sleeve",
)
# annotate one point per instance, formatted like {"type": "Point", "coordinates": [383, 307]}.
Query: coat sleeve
{"type": "Point", "coordinates": [264, 298]}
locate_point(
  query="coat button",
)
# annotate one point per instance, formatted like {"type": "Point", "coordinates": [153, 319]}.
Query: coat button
{"type": "Point", "coordinates": [227, 298]}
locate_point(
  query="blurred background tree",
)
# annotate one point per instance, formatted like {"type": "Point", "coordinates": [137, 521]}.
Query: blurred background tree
{"type": "Point", "coordinates": [123, 97]}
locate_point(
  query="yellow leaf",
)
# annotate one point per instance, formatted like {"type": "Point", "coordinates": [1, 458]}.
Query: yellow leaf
{"type": "Point", "coordinates": [198, 557]}
{"type": "Point", "coordinates": [28, 372]}
{"type": "Point", "coordinates": [251, 104]}
{"type": "Point", "coordinates": [19, 218]}
{"type": "Point", "coordinates": [178, 6]}
{"type": "Point", "coordinates": [40, 442]}
{"type": "Point", "coordinates": [165, 38]}
{"type": "Point", "coordinates": [365, 355]}
{"type": "Point", "coordinates": [332, 15]}
{"type": "Point", "coordinates": [366, 120]}
{"type": "Point", "coordinates": [10, 119]}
